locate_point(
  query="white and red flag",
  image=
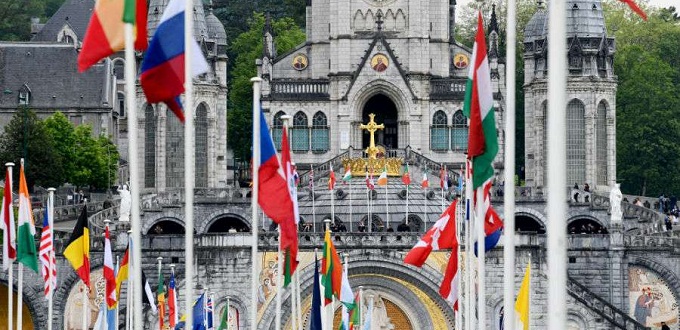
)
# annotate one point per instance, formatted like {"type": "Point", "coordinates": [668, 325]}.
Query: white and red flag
{"type": "Point", "coordinates": [46, 256]}
{"type": "Point", "coordinates": [442, 235]}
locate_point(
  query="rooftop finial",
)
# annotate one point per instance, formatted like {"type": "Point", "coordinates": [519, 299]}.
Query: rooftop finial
{"type": "Point", "coordinates": [379, 21]}
{"type": "Point", "coordinates": [493, 23]}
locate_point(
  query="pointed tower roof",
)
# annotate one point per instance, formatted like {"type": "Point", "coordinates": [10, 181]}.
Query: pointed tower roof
{"type": "Point", "coordinates": [215, 28]}
{"type": "Point", "coordinates": [74, 13]}
{"type": "Point", "coordinates": [156, 8]}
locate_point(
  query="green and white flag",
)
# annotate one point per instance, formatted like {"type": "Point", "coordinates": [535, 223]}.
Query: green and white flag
{"type": "Point", "coordinates": [27, 253]}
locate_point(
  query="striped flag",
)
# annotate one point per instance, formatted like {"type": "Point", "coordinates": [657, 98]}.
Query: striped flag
{"type": "Point", "coordinates": [424, 184]}
{"type": "Point", "coordinates": [348, 174]}
{"type": "Point", "coordinates": [27, 254]}
{"type": "Point", "coordinates": [311, 179]}
{"type": "Point", "coordinates": [172, 302]}
{"type": "Point", "coordinates": [443, 179]}
{"type": "Point", "coordinates": [369, 181]}
{"type": "Point", "coordinates": [331, 270]}
{"type": "Point", "coordinates": [406, 177]}
{"type": "Point", "coordinates": [442, 235]}
{"type": "Point", "coordinates": [9, 246]}
{"type": "Point", "coordinates": [382, 179]}
{"type": "Point", "coordinates": [46, 254]}
{"type": "Point", "coordinates": [331, 180]}
{"type": "Point", "coordinates": [634, 7]}
{"type": "Point", "coordinates": [109, 273]}
{"type": "Point", "coordinates": [449, 287]}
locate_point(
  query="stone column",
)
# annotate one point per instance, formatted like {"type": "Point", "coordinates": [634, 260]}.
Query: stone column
{"type": "Point", "coordinates": [618, 268]}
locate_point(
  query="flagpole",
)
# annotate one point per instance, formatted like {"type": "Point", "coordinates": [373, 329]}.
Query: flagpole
{"type": "Point", "coordinates": [361, 302]}
{"type": "Point", "coordinates": [254, 201]}
{"type": "Point", "coordinates": [459, 284]}
{"type": "Point", "coordinates": [332, 203]}
{"type": "Point", "coordinates": [481, 253]}
{"type": "Point", "coordinates": [214, 309]}
{"type": "Point", "coordinates": [10, 272]}
{"type": "Point", "coordinates": [387, 209]}
{"type": "Point", "coordinates": [279, 255]}
{"type": "Point", "coordinates": [20, 275]}
{"type": "Point", "coordinates": [443, 177]}
{"type": "Point", "coordinates": [50, 217]}
{"type": "Point", "coordinates": [299, 302]}
{"type": "Point", "coordinates": [407, 204]}
{"type": "Point", "coordinates": [160, 314]}
{"type": "Point", "coordinates": [118, 303]}
{"type": "Point", "coordinates": [133, 161]}
{"type": "Point", "coordinates": [293, 303]}
{"type": "Point", "coordinates": [349, 182]}
{"type": "Point", "coordinates": [557, 258]}
{"type": "Point", "coordinates": [509, 186]}
{"type": "Point", "coordinates": [329, 309]}
{"type": "Point", "coordinates": [469, 247]}
{"type": "Point", "coordinates": [129, 301]}
{"type": "Point", "coordinates": [311, 183]}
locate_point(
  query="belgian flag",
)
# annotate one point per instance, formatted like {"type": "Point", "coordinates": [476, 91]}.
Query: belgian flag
{"type": "Point", "coordinates": [78, 249]}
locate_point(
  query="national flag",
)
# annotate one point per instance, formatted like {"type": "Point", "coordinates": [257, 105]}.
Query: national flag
{"type": "Point", "coordinates": [355, 314]}
{"type": "Point", "coordinates": [482, 138]}
{"type": "Point", "coordinates": [101, 322]}
{"type": "Point", "coordinates": [172, 302]}
{"type": "Point", "coordinates": [369, 316]}
{"type": "Point", "coordinates": [122, 274]}
{"type": "Point", "coordinates": [522, 303]}
{"type": "Point", "coordinates": [274, 194]}
{"type": "Point", "coordinates": [449, 287]}
{"type": "Point", "coordinates": [162, 76]}
{"type": "Point", "coordinates": [331, 268]}
{"type": "Point", "coordinates": [406, 177]}
{"type": "Point", "coordinates": [199, 313]}
{"type": "Point", "coordinates": [635, 8]}
{"type": "Point", "coordinates": [348, 174]}
{"type": "Point", "coordinates": [443, 179]}
{"type": "Point", "coordinates": [296, 176]}
{"type": "Point", "coordinates": [347, 300]}
{"type": "Point", "coordinates": [369, 182]}
{"type": "Point", "coordinates": [47, 259]}
{"type": "Point", "coordinates": [311, 179]}
{"type": "Point", "coordinates": [78, 248]}
{"type": "Point", "coordinates": [424, 184]}
{"type": "Point", "coordinates": [315, 314]}
{"type": "Point", "coordinates": [209, 313]}
{"type": "Point", "coordinates": [460, 182]}
{"type": "Point", "coordinates": [382, 179]}
{"type": "Point", "coordinates": [442, 235]}
{"type": "Point", "coordinates": [160, 295]}
{"type": "Point", "coordinates": [148, 293]}
{"type": "Point", "coordinates": [9, 246]}
{"type": "Point", "coordinates": [331, 179]}
{"type": "Point", "coordinates": [109, 276]}
{"type": "Point", "coordinates": [289, 240]}
{"type": "Point", "coordinates": [27, 254]}
{"type": "Point", "coordinates": [105, 32]}
{"type": "Point", "coordinates": [224, 321]}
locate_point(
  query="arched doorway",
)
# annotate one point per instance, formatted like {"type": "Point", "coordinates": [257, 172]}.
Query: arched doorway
{"type": "Point", "coordinates": [385, 113]}
{"type": "Point", "coordinates": [228, 224]}
{"type": "Point", "coordinates": [524, 223]}
{"type": "Point", "coordinates": [166, 227]}
{"type": "Point", "coordinates": [585, 226]}
{"type": "Point", "coordinates": [28, 318]}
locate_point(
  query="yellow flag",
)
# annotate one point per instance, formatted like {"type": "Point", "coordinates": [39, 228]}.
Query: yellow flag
{"type": "Point", "coordinates": [522, 303]}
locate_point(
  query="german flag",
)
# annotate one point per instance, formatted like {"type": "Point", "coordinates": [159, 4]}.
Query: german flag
{"type": "Point", "coordinates": [78, 249]}
{"type": "Point", "coordinates": [123, 271]}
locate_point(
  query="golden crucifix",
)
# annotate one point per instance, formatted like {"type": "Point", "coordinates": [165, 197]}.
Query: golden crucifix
{"type": "Point", "coordinates": [371, 127]}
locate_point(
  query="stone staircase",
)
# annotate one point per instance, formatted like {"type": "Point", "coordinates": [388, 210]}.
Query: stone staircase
{"type": "Point", "coordinates": [616, 317]}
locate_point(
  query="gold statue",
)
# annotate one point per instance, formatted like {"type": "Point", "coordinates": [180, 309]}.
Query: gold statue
{"type": "Point", "coordinates": [371, 127]}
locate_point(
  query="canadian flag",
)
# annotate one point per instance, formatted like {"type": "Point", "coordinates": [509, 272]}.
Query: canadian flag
{"type": "Point", "coordinates": [441, 236]}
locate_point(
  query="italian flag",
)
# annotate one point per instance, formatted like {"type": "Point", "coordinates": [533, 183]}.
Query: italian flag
{"type": "Point", "coordinates": [478, 106]}
{"type": "Point", "coordinates": [331, 270]}
{"type": "Point", "coordinates": [27, 254]}
{"type": "Point", "coordinates": [105, 32]}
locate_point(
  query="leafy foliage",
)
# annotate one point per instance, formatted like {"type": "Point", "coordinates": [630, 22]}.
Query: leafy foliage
{"type": "Point", "coordinates": [248, 46]}
{"type": "Point", "coordinates": [15, 18]}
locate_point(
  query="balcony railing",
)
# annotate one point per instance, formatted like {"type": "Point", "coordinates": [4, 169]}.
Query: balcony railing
{"type": "Point", "coordinates": [309, 89]}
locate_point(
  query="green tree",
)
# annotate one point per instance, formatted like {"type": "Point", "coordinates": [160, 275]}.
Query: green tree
{"type": "Point", "coordinates": [95, 159]}
{"type": "Point", "coordinates": [15, 18]}
{"type": "Point", "coordinates": [63, 134]}
{"type": "Point", "coordinates": [248, 46]}
{"type": "Point", "coordinates": [25, 136]}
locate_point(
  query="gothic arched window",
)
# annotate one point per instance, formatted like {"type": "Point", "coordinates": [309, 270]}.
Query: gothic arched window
{"type": "Point", "coordinates": [121, 104]}
{"type": "Point", "coordinates": [439, 132]}
{"type": "Point", "coordinates": [174, 151]}
{"type": "Point", "coordinates": [24, 95]}
{"type": "Point", "coordinates": [320, 130]}
{"type": "Point", "coordinates": [601, 143]}
{"type": "Point", "coordinates": [299, 133]}
{"type": "Point", "coordinates": [119, 69]}
{"type": "Point", "coordinates": [576, 142]}
{"type": "Point", "coordinates": [277, 129]}
{"type": "Point", "coordinates": [459, 132]}
{"type": "Point", "coordinates": [544, 143]}
{"type": "Point", "coordinates": [149, 147]}
{"type": "Point", "coordinates": [201, 158]}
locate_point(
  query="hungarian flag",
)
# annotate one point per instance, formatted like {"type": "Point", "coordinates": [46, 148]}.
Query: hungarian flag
{"type": "Point", "coordinates": [9, 246]}
{"type": "Point", "coordinates": [348, 175]}
{"type": "Point", "coordinates": [442, 235]}
{"type": "Point", "coordinates": [123, 270]}
{"type": "Point", "coordinates": [105, 33]}
{"type": "Point", "coordinates": [424, 184]}
{"type": "Point", "coordinates": [482, 138]}
{"type": "Point", "coordinates": [27, 253]}
{"type": "Point", "coordinates": [331, 180]}
{"type": "Point", "coordinates": [331, 270]}
{"type": "Point", "coordinates": [406, 178]}
{"type": "Point", "coordinates": [77, 250]}
{"type": "Point", "coordinates": [289, 237]}
{"type": "Point", "coordinates": [382, 179]}
{"type": "Point", "coordinates": [109, 275]}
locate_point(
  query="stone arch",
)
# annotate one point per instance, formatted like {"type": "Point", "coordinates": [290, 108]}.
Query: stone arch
{"type": "Point", "coordinates": [66, 283]}
{"type": "Point", "coordinates": [168, 224]}
{"type": "Point", "coordinates": [529, 212]}
{"type": "Point", "coordinates": [671, 279]}
{"type": "Point", "coordinates": [378, 224]}
{"type": "Point", "coordinates": [593, 225]}
{"type": "Point", "coordinates": [358, 20]}
{"type": "Point", "coordinates": [389, 275]}
{"type": "Point", "coordinates": [227, 221]}
{"type": "Point", "coordinates": [31, 299]}
{"type": "Point", "coordinates": [380, 86]}
{"type": "Point", "coordinates": [528, 222]}
{"type": "Point", "coordinates": [237, 303]}
{"type": "Point", "coordinates": [576, 321]}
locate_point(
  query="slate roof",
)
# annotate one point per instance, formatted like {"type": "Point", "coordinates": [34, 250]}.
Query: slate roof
{"type": "Point", "coordinates": [584, 19]}
{"type": "Point", "coordinates": [75, 13]}
{"type": "Point", "coordinates": [50, 72]}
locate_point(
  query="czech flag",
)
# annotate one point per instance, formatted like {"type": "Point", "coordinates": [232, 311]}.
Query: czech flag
{"type": "Point", "coordinates": [162, 77]}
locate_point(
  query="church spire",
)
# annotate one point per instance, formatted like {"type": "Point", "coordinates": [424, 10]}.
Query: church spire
{"type": "Point", "coordinates": [493, 23]}
{"type": "Point", "coordinates": [268, 50]}
{"type": "Point", "coordinates": [493, 33]}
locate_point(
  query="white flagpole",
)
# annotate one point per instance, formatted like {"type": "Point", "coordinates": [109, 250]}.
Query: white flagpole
{"type": "Point", "coordinates": [254, 201]}
{"type": "Point", "coordinates": [509, 186]}
{"type": "Point", "coordinates": [118, 298]}
{"type": "Point", "coordinates": [443, 184]}
{"type": "Point", "coordinates": [20, 288]}
{"type": "Point", "coordinates": [160, 270]}
{"type": "Point", "coordinates": [557, 252]}
{"type": "Point", "coordinates": [361, 303]}
{"type": "Point", "coordinates": [279, 255]}
{"type": "Point", "coordinates": [330, 308]}
{"type": "Point", "coordinates": [10, 272]}
{"type": "Point", "coordinates": [189, 164]}
{"type": "Point", "coordinates": [299, 300]}
{"type": "Point", "coordinates": [407, 186]}
{"type": "Point", "coordinates": [469, 248]}
{"type": "Point", "coordinates": [481, 258]}
{"type": "Point", "coordinates": [293, 303]}
{"type": "Point", "coordinates": [332, 202]}
{"type": "Point", "coordinates": [133, 161]}
{"type": "Point", "coordinates": [349, 182]}
{"type": "Point", "coordinates": [214, 309]}
{"type": "Point", "coordinates": [387, 208]}
{"type": "Point", "coordinates": [313, 206]}
{"type": "Point", "coordinates": [50, 217]}
{"type": "Point", "coordinates": [459, 284]}
{"type": "Point", "coordinates": [86, 306]}
{"type": "Point", "coordinates": [130, 284]}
